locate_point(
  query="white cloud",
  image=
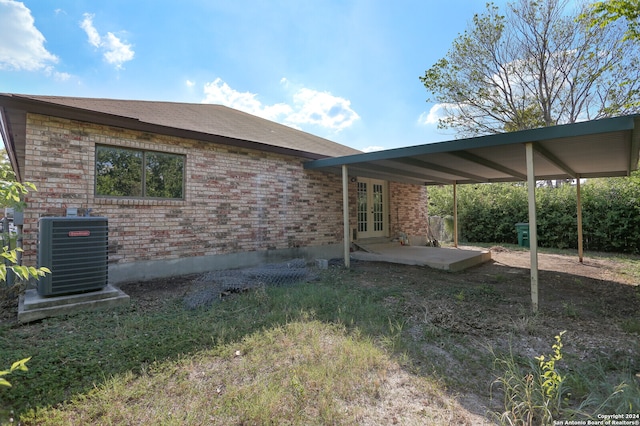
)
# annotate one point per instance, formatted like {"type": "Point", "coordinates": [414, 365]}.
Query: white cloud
{"type": "Point", "coordinates": [219, 92]}
{"type": "Point", "coordinates": [115, 51]}
{"type": "Point", "coordinates": [308, 106]}
{"type": "Point", "coordinates": [21, 43]}
{"type": "Point", "coordinates": [436, 112]}
{"type": "Point", "coordinates": [190, 83]}
{"type": "Point", "coordinates": [322, 109]}
{"type": "Point", "coordinates": [373, 148]}
{"type": "Point", "coordinates": [92, 33]}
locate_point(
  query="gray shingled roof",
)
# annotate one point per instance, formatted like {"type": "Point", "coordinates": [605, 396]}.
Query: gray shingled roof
{"type": "Point", "coordinates": [198, 121]}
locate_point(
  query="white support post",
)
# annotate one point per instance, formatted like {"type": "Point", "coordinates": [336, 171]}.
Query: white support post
{"type": "Point", "coordinates": [579, 215]}
{"type": "Point", "coordinates": [345, 215]}
{"type": "Point", "coordinates": [533, 227]}
{"type": "Point", "coordinates": [455, 214]}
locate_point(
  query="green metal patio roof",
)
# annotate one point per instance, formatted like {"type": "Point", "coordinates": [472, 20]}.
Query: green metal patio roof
{"type": "Point", "coordinates": [597, 148]}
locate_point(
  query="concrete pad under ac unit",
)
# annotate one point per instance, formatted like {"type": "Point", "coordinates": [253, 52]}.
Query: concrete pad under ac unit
{"type": "Point", "coordinates": [32, 306]}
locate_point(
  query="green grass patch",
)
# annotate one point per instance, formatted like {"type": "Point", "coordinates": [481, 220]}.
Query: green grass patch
{"type": "Point", "coordinates": [282, 375]}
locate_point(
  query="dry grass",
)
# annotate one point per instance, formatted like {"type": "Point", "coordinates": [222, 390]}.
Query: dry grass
{"type": "Point", "coordinates": [301, 373]}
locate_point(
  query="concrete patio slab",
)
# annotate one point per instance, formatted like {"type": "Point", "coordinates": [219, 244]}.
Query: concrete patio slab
{"type": "Point", "coordinates": [32, 306]}
{"type": "Point", "coordinates": [447, 259]}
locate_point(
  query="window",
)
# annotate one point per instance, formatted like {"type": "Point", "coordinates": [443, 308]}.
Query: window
{"type": "Point", "coordinates": [124, 172]}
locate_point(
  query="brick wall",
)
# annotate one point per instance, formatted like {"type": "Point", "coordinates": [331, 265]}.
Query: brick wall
{"type": "Point", "coordinates": [408, 209]}
{"type": "Point", "coordinates": [235, 199]}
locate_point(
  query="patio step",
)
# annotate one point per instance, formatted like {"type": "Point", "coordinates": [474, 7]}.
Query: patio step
{"type": "Point", "coordinates": [365, 244]}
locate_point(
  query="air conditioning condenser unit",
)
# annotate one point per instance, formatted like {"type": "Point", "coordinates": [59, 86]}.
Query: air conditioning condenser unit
{"type": "Point", "coordinates": [75, 249]}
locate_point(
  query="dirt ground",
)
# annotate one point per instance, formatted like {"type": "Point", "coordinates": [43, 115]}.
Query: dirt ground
{"type": "Point", "coordinates": [456, 317]}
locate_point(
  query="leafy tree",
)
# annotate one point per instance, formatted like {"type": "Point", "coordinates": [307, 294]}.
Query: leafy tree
{"type": "Point", "coordinates": [535, 65]}
{"type": "Point", "coordinates": [606, 12]}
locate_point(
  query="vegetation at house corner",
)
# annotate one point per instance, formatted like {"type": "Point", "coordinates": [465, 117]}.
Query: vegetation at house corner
{"type": "Point", "coordinates": [11, 193]}
{"type": "Point", "coordinates": [488, 213]}
{"type": "Point", "coordinates": [16, 366]}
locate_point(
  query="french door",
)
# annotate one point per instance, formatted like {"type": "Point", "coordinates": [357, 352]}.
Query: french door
{"type": "Point", "coordinates": [372, 208]}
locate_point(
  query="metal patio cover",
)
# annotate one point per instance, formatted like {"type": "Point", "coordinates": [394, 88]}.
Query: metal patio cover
{"type": "Point", "coordinates": [598, 148]}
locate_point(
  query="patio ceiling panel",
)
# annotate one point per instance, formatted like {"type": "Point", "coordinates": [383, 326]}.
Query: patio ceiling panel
{"type": "Point", "coordinates": [448, 172]}
{"type": "Point", "coordinates": [386, 174]}
{"type": "Point", "coordinates": [505, 168]}
{"type": "Point", "coordinates": [512, 163]}
{"type": "Point", "coordinates": [425, 174]}
{"type": "Point", "coordinates": [593, 155]}
{"type": "Point", "coordinates": [461, 169]}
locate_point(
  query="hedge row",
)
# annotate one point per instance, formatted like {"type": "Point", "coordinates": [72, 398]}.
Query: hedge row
{"type": "Point", "coordinates": [489, 212]}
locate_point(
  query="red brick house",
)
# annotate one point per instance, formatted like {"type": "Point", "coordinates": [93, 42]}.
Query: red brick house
{"type": "Point", "coordinates": [192, 187]}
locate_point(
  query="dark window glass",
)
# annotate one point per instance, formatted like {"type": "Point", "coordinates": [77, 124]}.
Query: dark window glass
{"type": "Point", "coordinates": [164, 175]}
{"type": "Point", "coordinates": [122, 172]}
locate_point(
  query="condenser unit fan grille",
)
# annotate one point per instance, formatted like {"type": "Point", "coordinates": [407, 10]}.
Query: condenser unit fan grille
{"type": "Point", "coordinates": [76, 252]}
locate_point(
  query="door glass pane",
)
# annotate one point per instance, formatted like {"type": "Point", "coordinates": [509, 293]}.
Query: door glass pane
{"type": "Point", "coordinates": [362, 207]}
{"type": "Point", "coordinates": [378, 215]}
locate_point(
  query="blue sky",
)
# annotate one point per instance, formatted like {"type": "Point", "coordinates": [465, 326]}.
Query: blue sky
{"type": "Point", "coordinates": [344, 70]}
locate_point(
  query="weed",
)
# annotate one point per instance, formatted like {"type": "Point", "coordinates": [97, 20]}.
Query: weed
{"type": "Point", "coordinates": [534, 396]}
{"type": "Point", "coordinates": [393, 340]}
{"type": "Point", "coordinates": [570, 310]}
{"type": "Point", "coordinates": [551, 379]}
{"type": "Point", "coordinates": [597, 391]}
{"type": "Point", "coordinates": [631, 325]}
{"type": "Point", "coordinates": [526, 323]}
{"type": "Point", "coordinates": [538, 393]}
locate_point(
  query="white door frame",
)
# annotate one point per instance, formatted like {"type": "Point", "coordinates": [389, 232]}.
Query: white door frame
{"type": "Point", "coordinates": [372, 208]}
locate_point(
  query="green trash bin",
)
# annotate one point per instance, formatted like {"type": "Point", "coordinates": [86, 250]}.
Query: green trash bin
{"type": "Point", "coordinates": [523, 234]}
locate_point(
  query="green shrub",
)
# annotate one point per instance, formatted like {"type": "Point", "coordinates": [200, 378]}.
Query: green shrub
{"type": "Point", "coordinates": [488, 213]}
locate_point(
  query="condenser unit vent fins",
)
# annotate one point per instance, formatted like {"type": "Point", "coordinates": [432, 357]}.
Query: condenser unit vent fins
{"type": "Point", "coordinates": [75, 249]}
